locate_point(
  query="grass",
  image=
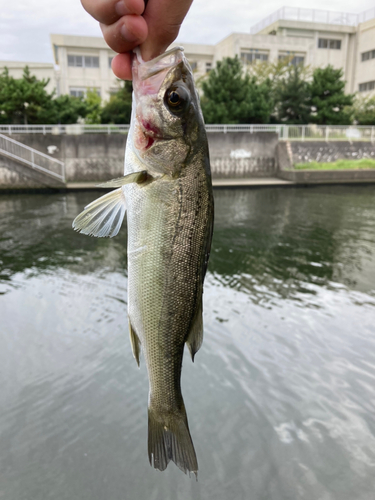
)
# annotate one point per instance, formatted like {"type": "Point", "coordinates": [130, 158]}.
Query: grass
{"type": "Point", "coordinates": [365, 163]}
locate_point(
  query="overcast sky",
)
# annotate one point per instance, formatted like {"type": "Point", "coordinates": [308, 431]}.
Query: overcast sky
{"type": "Point", "coordinates": [25, 25]}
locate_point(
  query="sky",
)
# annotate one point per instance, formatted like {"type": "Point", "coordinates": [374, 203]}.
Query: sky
{"type": "Point", "coordinates": [25, 25]}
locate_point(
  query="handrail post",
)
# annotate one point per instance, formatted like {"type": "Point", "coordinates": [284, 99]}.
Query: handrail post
{"type": "Point", "coordinates": [372, 134]}
{"type": "Point", "coordinates": [327, 133]}
{"type": "Point", "coordinates": [32, 158]}
{"type": "Point", "coordinates": [303, 133]}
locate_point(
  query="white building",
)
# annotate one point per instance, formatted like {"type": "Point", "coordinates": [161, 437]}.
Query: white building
{"type": "Point", "coordinates": [83, 63]}
{"type": "Point", "coordinates": [43, 71]}
{"type": "Point", "coordinates": [309, 36]}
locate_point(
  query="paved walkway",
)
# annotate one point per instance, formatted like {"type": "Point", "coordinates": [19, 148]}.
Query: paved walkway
{"type": "Point", "coordinates": [265, 181]}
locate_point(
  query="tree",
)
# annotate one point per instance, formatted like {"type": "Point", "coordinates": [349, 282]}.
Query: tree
{"type": "Point", "coordinates": [66, 109]}
{"type": "Point", "coordinates": [93, 107]}
{"type": "Point", "coordinates": [292, 97]}
{"type": "Point", "coordinates": [232, 96]}
{"type": "Point", "coordinates": [23, 100]}
{"type": "Point", "coordinates": [364, 110]}
{"type": "Point", "coordinates": [118, 108]}
{"type": "Point", "coordinates": [328, 97]}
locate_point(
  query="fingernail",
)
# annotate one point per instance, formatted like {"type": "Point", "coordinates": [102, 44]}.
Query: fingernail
{"type": "Point", "coordinates": [128, 35]}
{"type": "Point", "coordinates": [121, 9]}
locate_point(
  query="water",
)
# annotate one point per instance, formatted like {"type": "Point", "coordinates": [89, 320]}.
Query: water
{"type": "Point", "coordinates": [281, 398]}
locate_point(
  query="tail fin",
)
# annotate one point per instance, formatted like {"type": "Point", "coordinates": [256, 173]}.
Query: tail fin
{"type": "Point", "coordinates": [169, 439]}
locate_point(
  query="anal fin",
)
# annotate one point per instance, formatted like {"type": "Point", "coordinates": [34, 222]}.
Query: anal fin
{"type": "Point", "coordinates": [135, 342]}
{"type": "Point", "coordinates": [195, 337]}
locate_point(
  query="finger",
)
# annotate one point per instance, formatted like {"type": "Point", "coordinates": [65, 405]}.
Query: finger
{"type": "Point", "coordinates": [164, 18]}
{"type": "Point", "coordinates": [122, 66]}
{"type": "Point", "coordinates": [126, 33]}
{"type": "Point", "coordinates": [110, 11]}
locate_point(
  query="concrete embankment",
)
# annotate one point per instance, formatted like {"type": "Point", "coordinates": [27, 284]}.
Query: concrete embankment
{"type": "Point", "coordinates": [291, 153]}
{"type": "Point", "coordinates": [241, 158]}
{"type": "Point", "coordinates": [99, 157]}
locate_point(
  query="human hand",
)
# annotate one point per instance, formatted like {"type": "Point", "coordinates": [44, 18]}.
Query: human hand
{"type": "Point", "coordinates": [127, 23]}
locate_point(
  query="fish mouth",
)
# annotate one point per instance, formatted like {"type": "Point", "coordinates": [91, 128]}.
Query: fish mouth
{"type": "Point", "coordinates": [165, 61]}
{"type": "Point", "coordinates": [148, 76]}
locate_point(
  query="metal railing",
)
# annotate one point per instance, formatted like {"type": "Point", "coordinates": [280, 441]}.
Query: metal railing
{"type": "Point", "coordinates": [285, 132]}
{"type": "Point", "coordinates": [304, 132]}
{"type": "Point", "coordinates": [313, 15]}
{"type": "Point", "coordinates": [326, 133]}
{"type": "Point", "coordinates": [32, 158]}
{"type": "Point", "coordinates": [75, 129]}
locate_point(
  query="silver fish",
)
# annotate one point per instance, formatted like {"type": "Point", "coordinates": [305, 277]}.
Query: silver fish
{"type": "Point", "coordinates": [168, 192]}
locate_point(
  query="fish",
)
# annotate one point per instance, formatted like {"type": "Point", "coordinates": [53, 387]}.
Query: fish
{"type": "Point", "coordinates": [166, 193]}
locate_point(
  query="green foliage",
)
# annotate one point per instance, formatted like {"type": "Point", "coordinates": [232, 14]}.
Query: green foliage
{"type": "Point", "coordinates": [118, 108]}
{"type": "Point", "coordinates": [292, 97]}
{"type": "Point", "coordinates": [93, 107]}
{"type": "Point", "coordinates": [329, 99]}
{"type": "Point", "coordinates": [364, 110]}
{"type": "Point", "coordinates": [364, 163]}
{"type": "Point", "coordinates": [232, 96]}
{"type": "Point", "coordinates": [23, 100]}
{"type": "Point", "coordinates": [67, 109]}
{"type": "Point", "coordinates": [275, 72]}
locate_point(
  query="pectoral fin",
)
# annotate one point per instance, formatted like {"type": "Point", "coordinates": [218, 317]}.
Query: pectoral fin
{"type": "Point", "coordinates": [135, 342]}
{"type": "Point", "coordinates": [103, 217]}
{"type": "Point", "coordinates": [138, 177]}
{"type": "Point", "coordinates": [195, 337]}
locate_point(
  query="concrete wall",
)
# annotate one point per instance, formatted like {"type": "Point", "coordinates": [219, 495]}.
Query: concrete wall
{"type": "Point", "coordinates": [242, 154]}
{"type": "Point", "coordinates": [100, 157]}
{"type": "Point", "coordinates": [87, 157]}
{"type": "Point", "coordinates": [327, 176]}
{"type": "Point", "coordinates": [290, 153]}
{"type": "Point", "coordinates": [322, 152]}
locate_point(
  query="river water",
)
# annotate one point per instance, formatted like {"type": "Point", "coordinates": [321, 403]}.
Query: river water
{"type": "Point", "coordinates": [281, 397]}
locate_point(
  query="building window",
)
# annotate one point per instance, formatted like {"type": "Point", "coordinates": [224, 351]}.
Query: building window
{"type": "Point", "coordinates": [77, 92]}
{"type": "Point", "coordinates": [366, 56]}
{"type": "Point", "coordinates": [83, 61]}
{"type": "Point", "coordinates": [328, 43]}
{"type": "Point", "coordinates": [365, 87]}
{"type": "Point", "coordinates": [294, 60]}
{"type": "Point", "coordinates": [208, 67]}
{"type": "Point", "coordinates": [81, 91]}
{"type": "Point", "coordinates": [110, 59]}
{"type": "Point", "coordinates": [250, 56]}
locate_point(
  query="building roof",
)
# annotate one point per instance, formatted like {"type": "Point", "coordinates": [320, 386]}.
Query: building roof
{"type": "Point", "coordinates": [315, 16]}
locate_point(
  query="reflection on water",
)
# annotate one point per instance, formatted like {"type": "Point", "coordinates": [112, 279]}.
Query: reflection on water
{"type": "Point", "coordinates": [281, 399]}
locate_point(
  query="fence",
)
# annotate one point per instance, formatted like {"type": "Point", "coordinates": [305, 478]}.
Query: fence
{"type": "Point", "coordinates": [32, 158]}
{"type": "Point", "coordinates": [76, 129]}
{"type": "Point", "coordinates": [285, 132]}
{"type": "Point", "coordinates": [313, 15]}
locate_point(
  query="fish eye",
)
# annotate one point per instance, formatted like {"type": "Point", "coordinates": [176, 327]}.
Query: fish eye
{"type": "Point", "coordinates": [177, 98]}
